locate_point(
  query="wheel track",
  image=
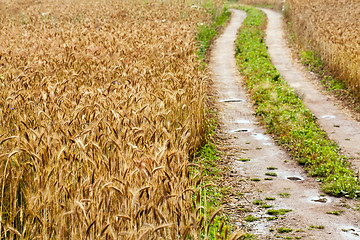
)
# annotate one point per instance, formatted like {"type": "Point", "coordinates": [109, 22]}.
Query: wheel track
{"type": "Point", "coordinates": [246, 139]}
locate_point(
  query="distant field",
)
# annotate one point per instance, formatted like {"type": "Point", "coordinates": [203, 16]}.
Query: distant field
{"type": "Point", "coordinates": [330, 28]}
{"type": "Point", "coordinates": [101, 106]}
{"type": "Point", "coordinates": [276, 3]}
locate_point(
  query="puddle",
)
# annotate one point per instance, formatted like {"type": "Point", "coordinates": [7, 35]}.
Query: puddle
{"type": "Point", "coordinates": [232, 100]}
{"type": "Point", "coordinates": [294, 178]}
{"type": "Point", "coordinates": [350, 232]}
{"type": "Point", "coordinates": [320, 200]}
{"type": "Point", "coordinates": [241, 130]}
{"type": "Point", "coordinates": [263, 138]}
{"type": "Point", "coordinates": [243, 121]}
{"type": "Point", "coordinates": [328, 116]}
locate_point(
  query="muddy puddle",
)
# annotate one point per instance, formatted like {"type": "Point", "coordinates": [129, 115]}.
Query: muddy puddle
{"type": "Point", "coordinates": [232, 100]}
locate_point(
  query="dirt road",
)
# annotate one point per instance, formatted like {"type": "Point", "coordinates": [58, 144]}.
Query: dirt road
{"type": "Point", "coordinates": [335, 122]}
{"type": "Point", "coordinates": [252, 156]}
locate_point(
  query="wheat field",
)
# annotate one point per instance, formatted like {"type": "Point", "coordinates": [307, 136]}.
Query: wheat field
{"type": "Point", "coordinates": [102, 104]}
{"type": "Point", "coordinates": [330, 28]}
{"type": "Point", "coordinates": [276, 3]}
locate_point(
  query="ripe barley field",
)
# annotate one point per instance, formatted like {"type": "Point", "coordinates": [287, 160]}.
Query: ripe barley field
{"type": "Point", "coordinates": [102, 104]}
{"type": "Point", "coordinates": [331, 29]}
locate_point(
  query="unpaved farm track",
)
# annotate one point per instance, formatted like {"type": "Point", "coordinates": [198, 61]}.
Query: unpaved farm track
{"type": "Point", "coordinates": [243, 138]}
{"type": "Point", "coordinates": [339, 127]}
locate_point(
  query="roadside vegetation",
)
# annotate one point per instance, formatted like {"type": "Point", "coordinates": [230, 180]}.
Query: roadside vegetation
{"type": "Point", "coordinates": [102, 110]}
{"type": "Point", "coordinates": [330, 30]}
{"type": "Point", "coordinates": [273, 4]}
{"type": "Point", "coordinates": [284, 114]}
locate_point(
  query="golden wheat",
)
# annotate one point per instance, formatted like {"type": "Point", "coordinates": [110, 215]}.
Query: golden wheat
{"type": "Point", "coordinates": [332, 29]}
{"type": "Point", "coordinates": [101, 106]}
{"type": "Point", "coordinates": [276, 3]}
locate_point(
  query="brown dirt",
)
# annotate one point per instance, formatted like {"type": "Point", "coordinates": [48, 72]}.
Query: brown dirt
{"type": "Point", "coordinates": [241, 137]}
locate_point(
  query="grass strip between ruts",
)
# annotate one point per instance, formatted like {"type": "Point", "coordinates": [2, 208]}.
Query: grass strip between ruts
{"type": "Point", "coordinates": [284, 114]}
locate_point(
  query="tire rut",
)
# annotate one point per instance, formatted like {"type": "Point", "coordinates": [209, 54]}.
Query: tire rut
{"type": "Point", "coordinates": [251, 154]}
{"type": "Point", "coordinates": [335, 122]}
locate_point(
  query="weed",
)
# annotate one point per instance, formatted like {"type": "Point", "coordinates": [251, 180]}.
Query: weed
{"type": "Point", "coordinates": [270, 198]}
{"type": "Point", "coordinates": [255, 179]}
{"type": "Point", "coordinates": [337, 213]}
{"type": "Point", "coordinates": [266, 206]}
{"type": "Point", "coordinates": [284, 230]}
{"type": "Point", "coordinates": [271, 168]}
{"type": "Point", "coordinates": [244, 159]}
{"type": "Point", "coordinates": [317, 227]}
{"type": "Point", "coordinates": [284, 195]}
{"type": "Point", "coordinates": [257, 202]}
{"type": "Point", "coordinates": [278, 211]}
{"type": "Point", "coordinates": [251, 218]}
{"type": "Point", "coordinates": [206, 33]}
{"type": "Point", "coordinates": [271, 174]}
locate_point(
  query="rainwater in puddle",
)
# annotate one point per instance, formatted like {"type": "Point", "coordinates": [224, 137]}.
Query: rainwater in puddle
{"type": "Point", "coordinates": [263, 138]}
{"type": "Point", "coordinates": [350, 232]}
{"type": "Point", "coordinates": [241, 130]}
{"type": "Point", "coordinates": [294, 178]}
{"type": "Point", "coordinates": [236, 100]}
{"type": "Point", "coordinates": [319, 200]}
{"type": "Point", "coordinates": [328, 116]}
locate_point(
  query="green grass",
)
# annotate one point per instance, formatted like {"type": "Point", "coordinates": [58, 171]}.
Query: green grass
{"type": "Point", "coordinates": [277, 212]}
{"type": "Point", "coordinates": [284, 195]}
{"type": "Point", "coordinates": [285, 116]}
{"type": "Point", "coordinates": [270, 198]}
{"type": "Point", "coordinates": [216, 225]}
{"type": "Point", "coordinates": [266, 206]}
{"type": "Point", "coordinates": [206, 33]}
{"type": "Point", "coordinates": [258, 202]}
{"type": "Point", "coordinates": [251, 218]}
{"type": "Point", "coordinates": [244, 159]}
{"type": "Point", "coordinates": [317, 227]}
{"type": "Point", "coordinates": [337, 213]}
{"type": "Point", "coordinates": [272, 174]}
{"type": "Point", "coordinates": [284, 230]}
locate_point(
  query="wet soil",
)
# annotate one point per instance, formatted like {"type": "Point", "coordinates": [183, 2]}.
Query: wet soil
{"type": "Point", "coordinates": [261, 170]}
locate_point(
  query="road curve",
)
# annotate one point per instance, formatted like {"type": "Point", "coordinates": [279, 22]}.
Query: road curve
{"type": "Point", "coordinates": [335, 122]}
{"type": "Point", "coordinates": [244, 138]}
